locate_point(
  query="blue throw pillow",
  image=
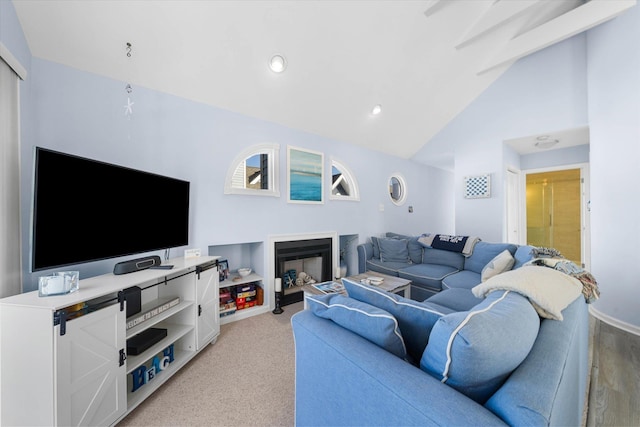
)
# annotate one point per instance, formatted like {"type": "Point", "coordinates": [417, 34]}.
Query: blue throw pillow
{"type": "Point", "coordinates": [414, 318]}
{"type": "Point", "coordinates": [394, 250]}
{"type": "Point", "coordinates": [370, 322]}
{"type": "Point", "coordinates": [376, 247]}
{"type": "Point", "coordinates": [414, 247]}
{"type": "Point", "coordinates": [475, 351]}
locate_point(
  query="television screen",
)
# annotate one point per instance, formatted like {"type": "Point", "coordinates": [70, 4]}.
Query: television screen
{"type": "Point", "coordinates": [86, 210]}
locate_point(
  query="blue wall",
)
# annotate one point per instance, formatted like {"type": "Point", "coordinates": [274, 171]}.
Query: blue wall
{"type": "Point", "coordinates": [614, 119]}
{"type": "Point", "coordinates": [592, 79]}
{"type": "Point", "coordinates": [83, 114]}
{"type": "Point", "coordinates": [541, 93]}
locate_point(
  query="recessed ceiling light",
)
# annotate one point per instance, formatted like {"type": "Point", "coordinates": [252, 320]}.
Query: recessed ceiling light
{"type": "Point", "coordinates": [376, 110]}
{"type": "Point", "coordinates": [277, 63]}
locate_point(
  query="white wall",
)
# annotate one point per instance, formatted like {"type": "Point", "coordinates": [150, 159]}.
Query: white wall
{"type": "Point", "coordinates": [614, 119]}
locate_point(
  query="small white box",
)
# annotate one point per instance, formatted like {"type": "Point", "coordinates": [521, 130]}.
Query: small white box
{"type": "Point", "coordinates": [191, 253]}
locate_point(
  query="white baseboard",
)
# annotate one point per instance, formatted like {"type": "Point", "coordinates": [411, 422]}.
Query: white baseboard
{"type": "Point", "coordinates": [633, 329]}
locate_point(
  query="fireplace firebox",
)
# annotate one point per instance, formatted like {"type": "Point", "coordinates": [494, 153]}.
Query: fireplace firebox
{"type": "Point", "coordinates": [311, 256]}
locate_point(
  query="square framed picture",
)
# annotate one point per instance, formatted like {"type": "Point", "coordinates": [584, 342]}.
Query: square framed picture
{"type": "Point", "coordinates": [305, 176]}
{"type": "Point", "coordinates": [223, 269]}
{"type": "Point", "coordinates": [477, 187]}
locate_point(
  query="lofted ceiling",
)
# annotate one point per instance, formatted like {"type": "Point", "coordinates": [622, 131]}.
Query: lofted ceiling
{"type": "Point", "coordinates": [422, 61]}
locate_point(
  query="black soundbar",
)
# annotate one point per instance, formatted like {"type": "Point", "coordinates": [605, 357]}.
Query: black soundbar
{"type": "Point", "coordinates": [137, 264]}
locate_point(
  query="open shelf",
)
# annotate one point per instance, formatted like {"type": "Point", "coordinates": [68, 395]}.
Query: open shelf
{"type": "Point", "coordinates": [157, 318]}
{"type": "Point", "coordinates": [244, 313]}
{"type": "Point", "coordinates": [174, 333]}
{"type": "Point", "coordinates": [181, 357]}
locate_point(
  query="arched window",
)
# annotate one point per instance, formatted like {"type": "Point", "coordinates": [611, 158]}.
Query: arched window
{"type": "Point", "coordinates": [255, 172]}
{"type": "Point", "coordinates": [343, 183]}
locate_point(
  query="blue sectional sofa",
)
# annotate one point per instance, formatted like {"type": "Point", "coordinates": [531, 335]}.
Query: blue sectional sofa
{"type": "Point", "coordinates": [376, 358]}
{"type": "Point", "coordinates": [432, 270]}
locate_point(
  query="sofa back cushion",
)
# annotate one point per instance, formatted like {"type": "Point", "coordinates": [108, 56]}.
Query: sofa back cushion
{"type": "Point", "coordinates": [371, 323]}
{"type": "Point", "coordinates": [414, 318]}
{"type": "Point", "coordinates": [376, 247]}
{"type": "Point", "coordinates": [523, 255]}
{"type": "Point", "coordinates": [475, 351]}
{"type": "Point", "coordinates": [394, 250]}
{"type": "Point", "coordinates": [442, 257]}
{"type": "Point", "coordinates": [415, 248]}
{"type": "Point", "coordinates": [483, 252]}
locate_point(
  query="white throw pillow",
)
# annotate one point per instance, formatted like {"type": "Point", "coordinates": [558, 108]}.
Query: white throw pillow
{"type": "Point", "coordinates": [499, 264]}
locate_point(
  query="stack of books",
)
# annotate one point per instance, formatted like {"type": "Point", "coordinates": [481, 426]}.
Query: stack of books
{"type": "Point", "coordinates": [245, 296]}
{"type": "Point", "coordinates": [227, 302]}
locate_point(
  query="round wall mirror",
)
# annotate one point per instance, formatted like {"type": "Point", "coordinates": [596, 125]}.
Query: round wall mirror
{"type": "Point", "coordinates": [397, 189]}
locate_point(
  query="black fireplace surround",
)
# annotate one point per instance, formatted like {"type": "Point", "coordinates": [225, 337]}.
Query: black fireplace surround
{"type": "Point", "coordinates": [301, 249]}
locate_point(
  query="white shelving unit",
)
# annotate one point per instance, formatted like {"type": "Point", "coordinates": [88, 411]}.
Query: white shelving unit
{"type": "Point", "coordinates": [64, 357]}
{"type": "Point", "coordinates": [245, 312]}
{"type": "Point", "coordinates": [238, 255]}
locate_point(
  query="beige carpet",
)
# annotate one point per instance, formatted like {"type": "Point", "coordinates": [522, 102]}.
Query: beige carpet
{"type": "Point", "coordinates": [245, 379]}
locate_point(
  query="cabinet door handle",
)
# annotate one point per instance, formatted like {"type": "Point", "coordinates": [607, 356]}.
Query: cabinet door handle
{"type": "Point", "coordinates": [123, 357]}
{"type": "Point", "coordinates": [199, 310]}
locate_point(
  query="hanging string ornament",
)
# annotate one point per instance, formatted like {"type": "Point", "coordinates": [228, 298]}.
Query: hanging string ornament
{"type": "Point", "coordinates": [128, 110]}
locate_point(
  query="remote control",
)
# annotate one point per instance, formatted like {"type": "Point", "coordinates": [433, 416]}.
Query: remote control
{"type": "Point", "coordinates": [162, 267]}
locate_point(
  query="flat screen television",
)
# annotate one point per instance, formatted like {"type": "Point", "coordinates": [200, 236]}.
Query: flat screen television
{"type": "Point", "coordinates": [86, 210]}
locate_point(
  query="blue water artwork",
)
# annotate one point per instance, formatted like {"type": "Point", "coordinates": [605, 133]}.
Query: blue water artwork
{"type": "Point", "coordinates": [305, 176]}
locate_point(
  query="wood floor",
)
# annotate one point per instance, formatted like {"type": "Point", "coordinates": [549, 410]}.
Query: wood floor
{"type": "Point", "coordinates": [614, 396]}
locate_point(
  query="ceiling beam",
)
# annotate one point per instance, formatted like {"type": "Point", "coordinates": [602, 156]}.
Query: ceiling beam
{"type": "Point", "coordinates": [498, 14]}
{"type": "Point", "coordinates": [564, 26]}
{"type": "Point", "coordinates": [433, 7]}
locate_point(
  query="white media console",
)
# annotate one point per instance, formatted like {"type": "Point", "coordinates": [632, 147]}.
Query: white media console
{"type": "Point", "coordinates": [64, 361]}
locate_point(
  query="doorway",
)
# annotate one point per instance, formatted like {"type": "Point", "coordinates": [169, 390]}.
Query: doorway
{"type": "Point", "coordinates": [555, 212]}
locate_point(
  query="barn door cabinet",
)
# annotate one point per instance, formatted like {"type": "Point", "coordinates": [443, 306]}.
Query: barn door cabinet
{"type": "Point", "coordinates": [64, 361]}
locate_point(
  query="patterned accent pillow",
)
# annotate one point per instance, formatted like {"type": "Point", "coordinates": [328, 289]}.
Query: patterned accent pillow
{"type": "Point", "coordinates": [414, 318]}
{"type": "Point", "coordinates": [370, 322]}
{"type": "Point", "coordinates": [499, 264]}
{"type": "Point", "coordinates": [475, 351]}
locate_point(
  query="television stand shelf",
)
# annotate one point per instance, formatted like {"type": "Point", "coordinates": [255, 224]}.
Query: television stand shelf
{"type": "Point", "coordinates": [64, 357]}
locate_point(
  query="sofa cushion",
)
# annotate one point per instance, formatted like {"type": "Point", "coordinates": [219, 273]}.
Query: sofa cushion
{"type": "Point", "coordinates": [372, 323]}
{"type": "Point", "coordinates": [484, 252]}
{"type": "Point", "coordinates": [390, 268]}
{"type": "Point", "coordinates": [523, 255]}
{"type": "Point", "coordinates": [414, 247]}
{"type": "Point", "coordinates": [442, 257]}
{"type": "Point", "coordinates": [456, 299]}
{"type": "Point", "coordinates": [376, 247]}
{"type": "Point", "coordinates": [465, 279]}
{"type": "Point", "coordinates": [393, 250]}
{"type": "Point", "coordinates": [415, 318]}
{"type": "Point", "coordinates": [499, 264]}
{"type": "Point", "coordinates": [415, 250]}
{"type": "Point", "coordinates": [475, 351]}
{"type": "Point", "coordinates": [429, 275]}
{"type": "Point", "coordinates": [549, 290]}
